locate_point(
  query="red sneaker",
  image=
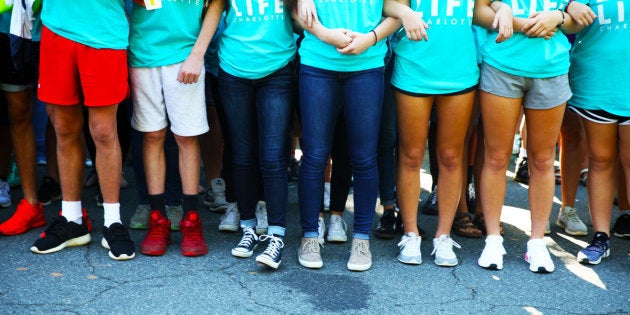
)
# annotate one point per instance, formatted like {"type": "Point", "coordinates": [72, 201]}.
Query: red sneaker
{"type": "Point", "coordinates": [26, 217]}
{"type": "Point", "coordinates": [158, 236]}
{"type": "Point", "coordinates": [193, 243]}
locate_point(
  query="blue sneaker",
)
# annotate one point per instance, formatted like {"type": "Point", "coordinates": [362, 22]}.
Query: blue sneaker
{"type": "Point", "coordinates": [598, 248]}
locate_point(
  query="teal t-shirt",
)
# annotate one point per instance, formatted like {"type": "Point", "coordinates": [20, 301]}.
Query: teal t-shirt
{"type": "Point", "coordinates": [529, 57]}
{"type": "Point", "coordinates": [5, 22]}
{"type": "Point", "coordinates": [98, 24]}
{"type": "Point", "coordinates": [600, 60]}
{"type": "Point", "coordinates": [257, 40]}
{"type": "Point", "coordinates": [356, 15]}
{"type": "Point", "coordinates": [447, 62]}
{"type": "Point", "coordinates": [164, 36]}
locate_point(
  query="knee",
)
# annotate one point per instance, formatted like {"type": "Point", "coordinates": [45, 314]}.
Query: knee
{"type": "Point", "coordinates": [450, 159]}
{"type": "Point", "coordinates": [599, 162]}
{"type": "Point", "coordinates": [411, 159]}
{"type": "Point", "coordinates": [540, 163]}
{"type": "Point", "coordinates": [496, 161]}
{"type": "Point", "coordinates": [154, 137]}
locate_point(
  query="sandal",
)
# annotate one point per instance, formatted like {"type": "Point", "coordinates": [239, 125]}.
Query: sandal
{"type": "Point", "coordinates": [463, 226]}
{"type": "Point", "coordinates": [584, 176]}
{"type": "Point", "coordinates": [480, 222]}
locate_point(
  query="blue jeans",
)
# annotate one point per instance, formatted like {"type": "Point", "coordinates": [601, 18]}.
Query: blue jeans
{"type": "Point", "coordinates": [257, 113]}
{"type": "Point", "coordinates": [323, 94]}
{"type": "Point", "coordinates": [387, 142]}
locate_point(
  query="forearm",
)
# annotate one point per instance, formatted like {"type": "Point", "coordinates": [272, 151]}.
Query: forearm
{"type": "Point", "coordinates": [387, 26]}
{"type": "Point", "coordinates": [208, 28]}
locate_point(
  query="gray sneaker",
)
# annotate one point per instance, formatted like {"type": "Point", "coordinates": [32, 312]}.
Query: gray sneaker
{"type": "Point", "coordinates": [321, 230]}
{"type": "Point", "coordinates": [410, 249]}
{"type": "Point", "coordinates": [231, 219]}
{"type": "Point", "coordinates": [261, 218]}
{"type": "Point", "coordinates": [360, 255]}
{"type": "Point", "coordinates": [337, 229]}
{"type": "Point", "coordinates": [140, 218]}
{"type": "Point", "coordinates": [215, 196]}
{"type": "Point", "coordinates": [570, 222]}
{"type": "Point", "coordinates": [308, 253]}
{"type": "Point", "coordinates": [443, 251]}
{"type": "Point", "coordinates": [174, 214]}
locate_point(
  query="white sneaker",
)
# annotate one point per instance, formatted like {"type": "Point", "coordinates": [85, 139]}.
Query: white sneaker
{"type": "Point", "coordinates": [443, 251]}
{"type": "Point", "coordinates": [410, 249]}
{"type": "Point", "coordinates": [547, 229]}
{"type": "Point", "coordinates": [326, 196]}
{"type": "Point", "coordinates": [360, 255]}
{"type": "Point", "coordinates": [231, 219]}
{"type": "Point", "coordinates": [337, 229]}
{"type": "Point", "coordinates": [538, 256]}
{"type": "Point", "coordinates": [492, 254]}
{"type": "Point", "coordinates": [215, 196]}
{"type": "Point", "coordinates": [5, 194]}
{"type": "Point", "coordinates": [261, 218]}
{"type": "Point", "coordinates": [321, 230]}
{"type": "Point", "coordinates": [570, 222]}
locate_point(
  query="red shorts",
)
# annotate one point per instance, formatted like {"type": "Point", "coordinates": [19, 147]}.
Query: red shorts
{"type": "Point", "coordinates": [72, 73]}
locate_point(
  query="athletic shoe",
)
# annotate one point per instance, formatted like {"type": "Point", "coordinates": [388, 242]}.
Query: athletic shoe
{"type": "Point", "coordinates": [174, 214]}
{"type": "Point", "coordinates": [140, 218]}
{"type": "Point", "coordinates": [597, 249]}
{"type": "Point", "coordinates": [5, 194]}
{"type": "Point", "coordinates": [116, 239]}
{"type": "Point", "coordinates": [261, 218]}
{"type": "Point", "coordinates": [193, 242]}
{"type": "Point", "coordinates": [570, 222]}
{"type": "Point", "coordinates": [410, 249]}
{"type": "Point", "coordinates": [321, 230]}
{"type": "Point", "coordinates": [99, 198]}
{"type": "Point", "coordinates": [521, 171]}
{"type": "Point", "coordinates": [443, 251]}
{"type": "Point", "coordinates": [309, 255]}
{"type": "Point", "coordinates": [158, 235]}
{"type": "Point", "coordinates": [215, 196]}
{"type": "Point", "coordinates": [538, 256]}
{"type": "Point", "coordinates": [430, 206]}
{"type": "Point", "coordinates": [547, 228]}
{"type": "Point", "coordinates": [360, 255]}
{"type": "Point", "coordinates": [337, 229]}
{"type": "Point", "coordinates": [26, 217]}
{"type": "Point", "coordinates": [516, 145]}
{"type": "Point", "coordinates": [388, 225]}
{"type": "Point", "coordinates": [49, 191]}
{"type": "Point", "coordinates": [272, 256]}
{"type": "Point", "coordinates": [326, 196]}
{"type": "Point", "coordinates": [61, 234]}
{"type": "Point", "coordinates": [247, 244]}
{"type": "Point", "coordinates": [492, 254]}
{"type": "Point", "coordinates": [622, 226]}
{"type": "Point", "coordinates": [231, 219]}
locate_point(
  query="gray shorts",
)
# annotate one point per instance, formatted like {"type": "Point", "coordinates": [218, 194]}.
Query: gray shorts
{"type": "Point", "coordinates": [536, 93]}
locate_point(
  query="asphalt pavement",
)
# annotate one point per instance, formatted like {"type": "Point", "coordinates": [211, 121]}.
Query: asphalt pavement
{"type": "Point", "coordinates": [84, 280]}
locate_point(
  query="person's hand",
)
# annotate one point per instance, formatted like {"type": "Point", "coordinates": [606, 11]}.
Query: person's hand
{"type": "Point", "coordinates": [543, 24]}
{"type": "Point", "coordinates": [414, 25]}
{"type": "Point", "coordinates": [502, 23]}
{"type": "Point", "coordinates": [307, 12]}
{"type": "Point", "coordinates": [191, 69]}
{"type": "Point", "coordinates": [359, 43]}
{"type": "Point", "coordinates": [581, 13]}
{"type": "Point", "coordinates": [338, 37]}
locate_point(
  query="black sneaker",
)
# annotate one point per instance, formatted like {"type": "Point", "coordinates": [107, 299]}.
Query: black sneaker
{"type": "Point", "coordinates": [521, 171]}
{"type": "Point", "coordinates": [388, 224]}
{"type": "Point", "coordinates": [294, 169]}
{"type": "Point", "coordinates": [272, 256]}
{"type": "Point", "coordinates": [49, 191]}
{"type": "Point", "coordinates": [116, 239]}
{"type": "Point", "coordinates": [61, 234]}
{"type": "Point", "coordinates": [430, 206]}
{"type": "Point", "coordinates": [248, 243]}
{"type": "Point", "coordinates": [622, 226]}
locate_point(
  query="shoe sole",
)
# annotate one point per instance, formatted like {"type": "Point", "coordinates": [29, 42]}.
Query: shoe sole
{"type": "Point", "coordinates": [445, 263]}
{"type": "Point", "coordinates": [337, 239]}
{"type": "Point", "coordinates": [572, 233]}
{"type": "Point", "coordinates": [267, 262]}
{"type": "Point", "coordinates": [48, 202]}
{"type": "Point", "coordinates": [353, 267]}
{"type": "Point", "coordinates": [194, 253]}
{"type": "Point", "coordinates": [138, 226]}
{"type": "Point", "coordinates": [77, 241]}
{"type": "Point", "coordinates": [112, 256]}
{"type": "Point", "coordinates": [582, 259]}
{"type": "Point", "coordinates": [311, 264]}
{"type": "Point", "coordinates": [410, 261]}
{"type": "Point", "coordinates": [491, 267]}
{"type": "Point", "coordinates": [241, 254]}
{"type": "Point", "coordinates": [5, 205]}
{"type": "Point", "coordinates": [152, 252]}
{"type": "Point", "coordinates": [228, 228]}
{"type": "Point", "coordinates": [221, 209]}
{"type": "Point", "coordinates": [621, 235]}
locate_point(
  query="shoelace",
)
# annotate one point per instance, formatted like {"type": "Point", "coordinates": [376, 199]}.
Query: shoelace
{"type": "Point", "coordinates": [572, 216]}
{"type": "Point", "coordinates": [338, 224]}
{"type": "Point", "coordinates": [193, 234]}
{"type": "Point", "coordinates": [249, 237]}
{"type": "Point", "coordinates": [442, 242]}
{"type": "Point", "coordinates": [119, 233]}
{"type": "Point", "coordinates": [311, 246]}
{"type": "Point", "coordinates": [158, 231]}
{"type": "Point", "coordinates": [407, 239]}
{"type": "Point", "coordinates": [275, 244]}
{"type": "Point", "coordinates": [229, 211]}
{"type": "Point", "coordinates": [434, 196]}
{"type": "Point", "coordinates": [597, 244]}
{"type": "Point", "coordinates": [360, 248]}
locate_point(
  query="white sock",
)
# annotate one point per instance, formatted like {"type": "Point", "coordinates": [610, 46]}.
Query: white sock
{"type": "Point", "coordinates": [522, 152]}
{"type": "Point", "coordinates": [72, 211]}
{"type": "Point", "coordinates": [112, 213]}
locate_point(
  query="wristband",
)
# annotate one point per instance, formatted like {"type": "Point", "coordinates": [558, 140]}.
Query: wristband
{"type": "Point", "coordinates": [375, 37]}
{"type": "Point", "coordinates": [563, 18]}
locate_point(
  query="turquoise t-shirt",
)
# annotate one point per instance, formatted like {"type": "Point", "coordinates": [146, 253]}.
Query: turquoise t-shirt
{"type": "Point", "coordinates": [164, 36]}
{"type": "Point", "coordinates": [600, 60]}
{"type": "Point", "coordinates": [356, 15]}
{"type": "Point", "coordinates": [257, 40]}
{"type": "Point", "coordinates": [5, 22]}
{"type": "Point", "coordinates": [447, 62]}
{"type": "Point", "coordinates": [529, 57]}
{"type": "Point", "coordinates": [98, 24]}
